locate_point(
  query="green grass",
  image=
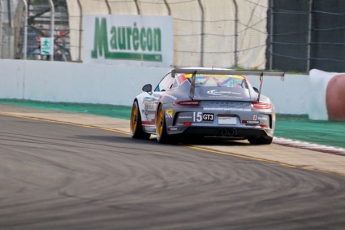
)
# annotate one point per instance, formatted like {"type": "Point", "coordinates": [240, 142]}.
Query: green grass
{"type": "Point", "coordinates": [121, 112]}
{"type": "Point", "coordinates": [299, 127]}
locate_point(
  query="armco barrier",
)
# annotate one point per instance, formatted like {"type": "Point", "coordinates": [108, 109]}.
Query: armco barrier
{"type": "Point", "coordinates": [118, 85]}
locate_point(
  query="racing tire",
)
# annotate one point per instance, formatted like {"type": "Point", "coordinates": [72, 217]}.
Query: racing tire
{"type": "Point", "coordinates": [161, 130]}
{"type": "Point", "coordinates": [135, 124]}
{"type": "Point", "coordinates": [260, 140]}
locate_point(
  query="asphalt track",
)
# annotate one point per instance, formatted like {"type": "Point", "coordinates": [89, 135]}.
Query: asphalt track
{"type": "Point", "coordinates": [61, 176]}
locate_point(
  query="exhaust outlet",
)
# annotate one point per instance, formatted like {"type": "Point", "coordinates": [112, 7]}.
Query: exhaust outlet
{"type": "Point", "coordinates": [223, 132]}
{"type": "Point", "coordinates": [231, 132]}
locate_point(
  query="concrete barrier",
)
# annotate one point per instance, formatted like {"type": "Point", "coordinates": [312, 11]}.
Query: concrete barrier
{"type": "Point", "coordinates": [327, 98]}
{"type": "Point", "coordinates": [118, 85]}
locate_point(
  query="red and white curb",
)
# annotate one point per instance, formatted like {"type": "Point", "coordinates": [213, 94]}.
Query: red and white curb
{"type": "Point", "coordinates": [309, 146]}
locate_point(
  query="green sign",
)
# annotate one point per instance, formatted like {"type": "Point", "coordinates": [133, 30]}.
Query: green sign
{"type": "Point", "coordinates": [47, 45]}
{"type": "Point", "coordinates": [128, 40]}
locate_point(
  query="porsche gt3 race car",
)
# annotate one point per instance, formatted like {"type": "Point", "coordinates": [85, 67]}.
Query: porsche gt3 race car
{"type": "Point", "coordinates": [204, 102]}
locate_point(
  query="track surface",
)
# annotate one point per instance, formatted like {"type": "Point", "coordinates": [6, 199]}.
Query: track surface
{"type": "Point", "coordinates": [55, 176]}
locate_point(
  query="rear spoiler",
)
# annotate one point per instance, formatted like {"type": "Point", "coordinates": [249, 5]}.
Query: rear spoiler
{"type": "Point", "coordinates": [225, 72]}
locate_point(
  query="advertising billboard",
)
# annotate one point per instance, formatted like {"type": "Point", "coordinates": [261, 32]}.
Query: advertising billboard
{"type": "Point", "coordinates": [132, 40]}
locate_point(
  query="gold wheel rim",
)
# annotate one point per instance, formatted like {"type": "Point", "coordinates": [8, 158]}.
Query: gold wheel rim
{"type": "Point", "coordinates": [160, 122]}
{"type": "Point", "coordinates": [134, 118]}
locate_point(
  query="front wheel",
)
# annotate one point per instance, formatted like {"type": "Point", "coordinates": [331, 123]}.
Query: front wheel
{"type": "Point", "coordinates": [135, 124]}
{"type": "Point", "coordinates": [260, 140]}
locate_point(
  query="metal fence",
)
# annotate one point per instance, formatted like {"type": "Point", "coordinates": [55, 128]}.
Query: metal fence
{"type": "Point", "coordinates": [306, 34]}
{"type": "Point", "coordinates": [222, 33]}
{"type": "Point", "coordinates": [289, 35]}
{"type": "Point", "coordinates": [6, 29]}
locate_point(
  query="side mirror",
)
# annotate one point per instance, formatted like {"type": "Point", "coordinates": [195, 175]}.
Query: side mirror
{"type": "Point", "coordinates": [256, 89]}
{"type": "Point", "coordinates": [147, 88]}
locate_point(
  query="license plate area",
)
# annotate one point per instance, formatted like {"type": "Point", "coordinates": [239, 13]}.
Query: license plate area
{"type": "Point", "coordinates": [222, 120]}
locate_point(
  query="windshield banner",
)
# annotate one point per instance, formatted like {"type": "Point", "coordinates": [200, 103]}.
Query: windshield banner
{"type": "Point", "coordinates": [128, 40]}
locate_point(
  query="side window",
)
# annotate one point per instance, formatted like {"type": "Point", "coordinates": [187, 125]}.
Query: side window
{"type": "Point", "coordinates": [165, 83]}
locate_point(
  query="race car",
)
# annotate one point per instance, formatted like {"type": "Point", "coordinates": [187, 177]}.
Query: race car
{"type": "Point", "coordinates": [204, 102]}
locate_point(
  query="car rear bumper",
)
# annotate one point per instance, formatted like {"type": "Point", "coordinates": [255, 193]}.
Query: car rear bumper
{"type": "Point", "coordinates": [231, 132]}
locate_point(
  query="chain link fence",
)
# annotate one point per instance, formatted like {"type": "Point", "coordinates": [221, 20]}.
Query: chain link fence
{"type": "Point", "coordinates": [7, 28]}
{"type": "Point", "coordinates": [206, 33]}
{"type": "Point", "coordinates": [288, 35]}
{"type": "Point", "coordinates": [306, 34]}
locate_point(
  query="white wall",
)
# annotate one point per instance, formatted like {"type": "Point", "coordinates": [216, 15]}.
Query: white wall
{"type": "Point", "coordinates": [290, 96]}
{"type": "Point", "coordinates": [118, 85]}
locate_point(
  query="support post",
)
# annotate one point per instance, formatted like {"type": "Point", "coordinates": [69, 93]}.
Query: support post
{"type": "Point", "coordinates": [80, 30]}
{"type": "Point", "coordinates": [9, 26]}
{"type": "Point", "coordinates": [137, 5]}
{"type": "Point", "coordinates": [309, 34]}
{"type": "Point", "coordinates": [236, 35]}
{"type": "Point", "coordinates": [168, 7]}
{"type": "Point", "coordinates": [25, 29]}
{"type": "Point", "coordinates": [108, 5]}
{"type": "Point", "coordinates": [202, 34]}
{"type": "Point", "coordinates": [271, 35]}
{"type": "Point", "coordinates": [52, 26]}
{"type": "Point", "coordinates": [1, 45]}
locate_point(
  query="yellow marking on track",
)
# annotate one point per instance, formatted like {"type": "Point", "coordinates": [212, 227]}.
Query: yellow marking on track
{"type": "Point", "coordinates": [187, 146]}
{"type": "Point", "coordinates": [115, 130]}
{"type": "Point", "coordinates": [48, 120]}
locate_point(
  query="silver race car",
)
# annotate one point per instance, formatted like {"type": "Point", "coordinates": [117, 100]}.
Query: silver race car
{"type": "Point", "coordinates": [204, 102]}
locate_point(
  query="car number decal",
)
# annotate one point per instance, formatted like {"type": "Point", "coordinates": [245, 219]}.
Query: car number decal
{"type": "Point", "coordinates": [199, 116]}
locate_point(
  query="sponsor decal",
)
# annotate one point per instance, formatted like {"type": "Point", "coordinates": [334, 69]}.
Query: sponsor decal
{"type": "Point", "coordinates": [226, 103]}
{"type": "Point", "coordinates": [254, 122]}
{"type": "Point", "coordinates": [172, 97]}
{"type": "Point", "coordinates": [227, 109]}
{"type": "Point", "coordinates": [185, 117]}
{"type": "Point", "coordinates": [169, 113]}
{"type": "Point", "coordinates": [149, 128]}
{"type": "Point", "coordinates": [262, 118]}
{"type": "Point", "coordinates": [221, 93]}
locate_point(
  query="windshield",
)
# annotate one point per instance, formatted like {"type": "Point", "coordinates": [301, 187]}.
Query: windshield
{"type": "Point", "coordinates": [218, 86]}
{"type": "Point", "coordinates": [231, 81]}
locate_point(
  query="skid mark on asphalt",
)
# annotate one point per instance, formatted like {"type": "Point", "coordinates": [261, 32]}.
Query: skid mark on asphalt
{"type": "Point", "coordinates": [304, 167]}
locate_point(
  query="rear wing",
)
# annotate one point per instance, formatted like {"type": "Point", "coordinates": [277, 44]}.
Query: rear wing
{"type": "Point", "coordinates": [195, 71]}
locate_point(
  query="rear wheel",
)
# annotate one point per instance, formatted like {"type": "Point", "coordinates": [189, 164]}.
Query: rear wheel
{"type": "Point", "coordinates": [161, 132]}
{"type": "Point", "coordinates": [260, 140]}
{"type": "Point", "coordinates": [135, 124]}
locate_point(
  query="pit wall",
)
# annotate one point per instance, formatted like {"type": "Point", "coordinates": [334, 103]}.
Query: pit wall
{"type": "Point", "coordinates": [118, 85]}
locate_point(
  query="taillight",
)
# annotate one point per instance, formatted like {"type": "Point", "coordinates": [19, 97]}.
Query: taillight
{"type": "Point", "coordinates": [261, 105]}
{"type": "Point", "coordinates": [187, 103]}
